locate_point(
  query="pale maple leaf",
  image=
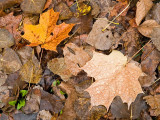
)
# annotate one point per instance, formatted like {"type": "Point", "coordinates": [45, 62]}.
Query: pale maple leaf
{"type": "Point", "coordinates": [47, 33]}
{"type": "Point", "coordinates": [113, 78]}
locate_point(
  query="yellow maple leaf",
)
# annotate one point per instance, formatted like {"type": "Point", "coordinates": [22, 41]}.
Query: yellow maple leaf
{"type": "Point", "coordinates": [47, 33]}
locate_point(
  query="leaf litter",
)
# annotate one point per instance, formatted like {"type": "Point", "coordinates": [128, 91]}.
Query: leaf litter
{"type": "Point", "coordinates": [79, 70]}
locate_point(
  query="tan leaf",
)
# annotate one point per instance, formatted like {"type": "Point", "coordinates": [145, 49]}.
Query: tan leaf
{"type": "Point", "coordinates": [75, 58]}
{"type": "Point", "coordinates": [97, 38]}
{"type": "Point", "coordinates": [154, 102]}
{"type": "Point", "coordinates": [146, 28]}
{"type": "Point", "coordinates": [155, 37]}
{"type": "Point", "coordinates": [113, 78]}
{"type": "Point", "coordinates": [58, 66]}
{"type": "Point", "coordinates": [143, 6]}
{"type": "Point", "coordinates": [31, 71]}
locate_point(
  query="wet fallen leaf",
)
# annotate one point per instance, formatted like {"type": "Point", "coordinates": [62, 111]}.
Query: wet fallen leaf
{"type": "Point", "coordinates": [75, 57]}
{"type": "Point", "coordinates": [120, 110]}
{"type": "Point", "coordinates": [47, 33]}
{"type": "Point", "coordinates": [31, 71]}
{"type": "Point", "coordinates": [10, 61]}
{"type": "Point", "coordinates": [47, 4]}
{"type": "Point", "coordinates": [130, 38]}
{"type": "Point", "coordinates": [155, 37]}
{"type": "Point", "coordinates": [97, 38]}
{"type": "Point", "coordinates": [119, 7]}
{"type": "Point", "coordinates": [154, 102]}
{"type": "Point", "coordinates": [11, 23]}
{"type": "Point", "coordinates": [143, 6]}
{"type": "Point", "coordinates": [32, 101]}
{"type": "Point", "coordinates": [113, 78]}
{"type": "Point", "coordinates": [50, 102]}
{"type": "Point", "coordinates": [68, 110]}
{"type": "Point", "coordinates": [44, 115]}
{"type": "Point", "coordinates": [65, 12]}
{"type": "Point", "coordinates": [150, 59]}
{"type": "Point", "coordinates": [146, 28]}
{"type": "Point", "coordinates": [58, 66]}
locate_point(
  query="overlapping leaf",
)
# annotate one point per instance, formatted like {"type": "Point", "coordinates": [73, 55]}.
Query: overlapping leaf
{"type": "Point", "coordinates": [113, 78]}
{"type": "Point", "coordinates": [47, 33]}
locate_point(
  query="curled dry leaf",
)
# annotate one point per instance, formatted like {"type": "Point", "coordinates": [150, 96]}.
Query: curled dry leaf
{"type": "Point", "coordinates": [154, 102]}
{"type": "Point", "coordinates": [113, 78]}
{"type": "Point", "coordinates": [155, 37]}
{"type": "Point", "coordinates": [143, 6]}
{"type": "Point", "coordinates": [75, 57]}
{"type": "Point", "coordinates": [97, 38]}
{"type": "Point", "coordinates": [58, 66]}
{"type": "Point", "coordinates": [146, 28]}
{"type": "Point", "coordinates": [47, 33]}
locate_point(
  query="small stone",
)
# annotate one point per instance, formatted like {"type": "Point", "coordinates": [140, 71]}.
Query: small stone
{"type": "Point", "coordinates": [6, 39]}
{"type": "Point", "coordinates": [10, 61]}
{"type": "Point", "coordinates": [33, 6]}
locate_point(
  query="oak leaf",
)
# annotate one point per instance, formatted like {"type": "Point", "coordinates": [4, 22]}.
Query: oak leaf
{"type": "Point", "coordinates": [113, 78]}
{"type": "Point", "coordinates": [47, 33]}
{"type": "Point", "coordinates": [143, 6]}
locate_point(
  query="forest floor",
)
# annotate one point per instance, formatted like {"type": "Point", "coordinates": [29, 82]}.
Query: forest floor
{"type": "Point", "coordinates": [79, 59]}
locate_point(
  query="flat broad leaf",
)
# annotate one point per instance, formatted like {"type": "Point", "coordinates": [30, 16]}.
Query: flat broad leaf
{"type": "Point", "coordinates": [47, 33]}
{"type": "Point", "coordinates": [113, 78]}
{"type": "Point", "coordinates": [75, 57]}
{"type": "Point", "coordinates": [143, 6]}
{"type": "Point", "coordinates": [31, 71]}
{"type": "Point", "coordinates": [146, 28]}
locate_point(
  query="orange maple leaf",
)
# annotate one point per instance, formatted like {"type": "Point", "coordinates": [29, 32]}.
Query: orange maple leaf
{"type": "Point", "coordinates": [47, 33]}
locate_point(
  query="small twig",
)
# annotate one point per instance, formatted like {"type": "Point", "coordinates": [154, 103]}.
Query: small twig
{"type": "Point", "coordinates": [138, 51]}
{"type": "Point", "coordinates": [117, 16]}
{"type": "Point", "coordinates": [155, 81]}
{"type": "Point", "coordinates": [148, 53]}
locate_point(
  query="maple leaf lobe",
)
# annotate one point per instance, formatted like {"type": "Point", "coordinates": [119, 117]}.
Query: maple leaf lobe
{"type": "Point", "coordinates": [113, 78]}
{"type": "Point", "coordinates": [41, 34]}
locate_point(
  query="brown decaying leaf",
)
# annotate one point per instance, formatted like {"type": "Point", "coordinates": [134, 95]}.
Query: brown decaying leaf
{"type": "Point", "coordinates": [11, 23]}
{"type": "Point", "coordinates": [48, 3]}
{"type": "Point", "coordinates": [150, 59]}
{"type": "Point", "coordinates": [130, 38]}
{"type": "Point", "coordinates": [155, 37]}
{"type": "Point", "coordinates": [31, 71]}
{"type": "Point", "coordinates": [68, 111]}
{"type": "Point", "coordinates": [146, 28]}
{"type": "Point", "coordinates": [143, 6]}
{"type": "Point", "coordinates": [58, 66]}
{"type": "Point", "coordinates": [75, 57]}
{"type": "Point", "coordinates": [97, 38]}
{"type": "Point", "coordinates": [154, 102]}
{"type": "Point", "coordinates": [113, 78]}
{"type": "Point", "coordinates": [119, 7]}
{"type": "Point", "coordinates": [47, 33]}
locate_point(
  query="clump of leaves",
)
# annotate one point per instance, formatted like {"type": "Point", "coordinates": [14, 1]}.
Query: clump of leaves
{"type": "Point", "coordinates": [21, 100]}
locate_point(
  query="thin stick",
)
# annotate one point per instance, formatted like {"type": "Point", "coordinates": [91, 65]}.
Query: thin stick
{"type": "Point", "coordinates": [117, 16]}
{"type": "Point", "coordinates": [138, 51]}
{"type": "Point", "coordinates": [148, 53]}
